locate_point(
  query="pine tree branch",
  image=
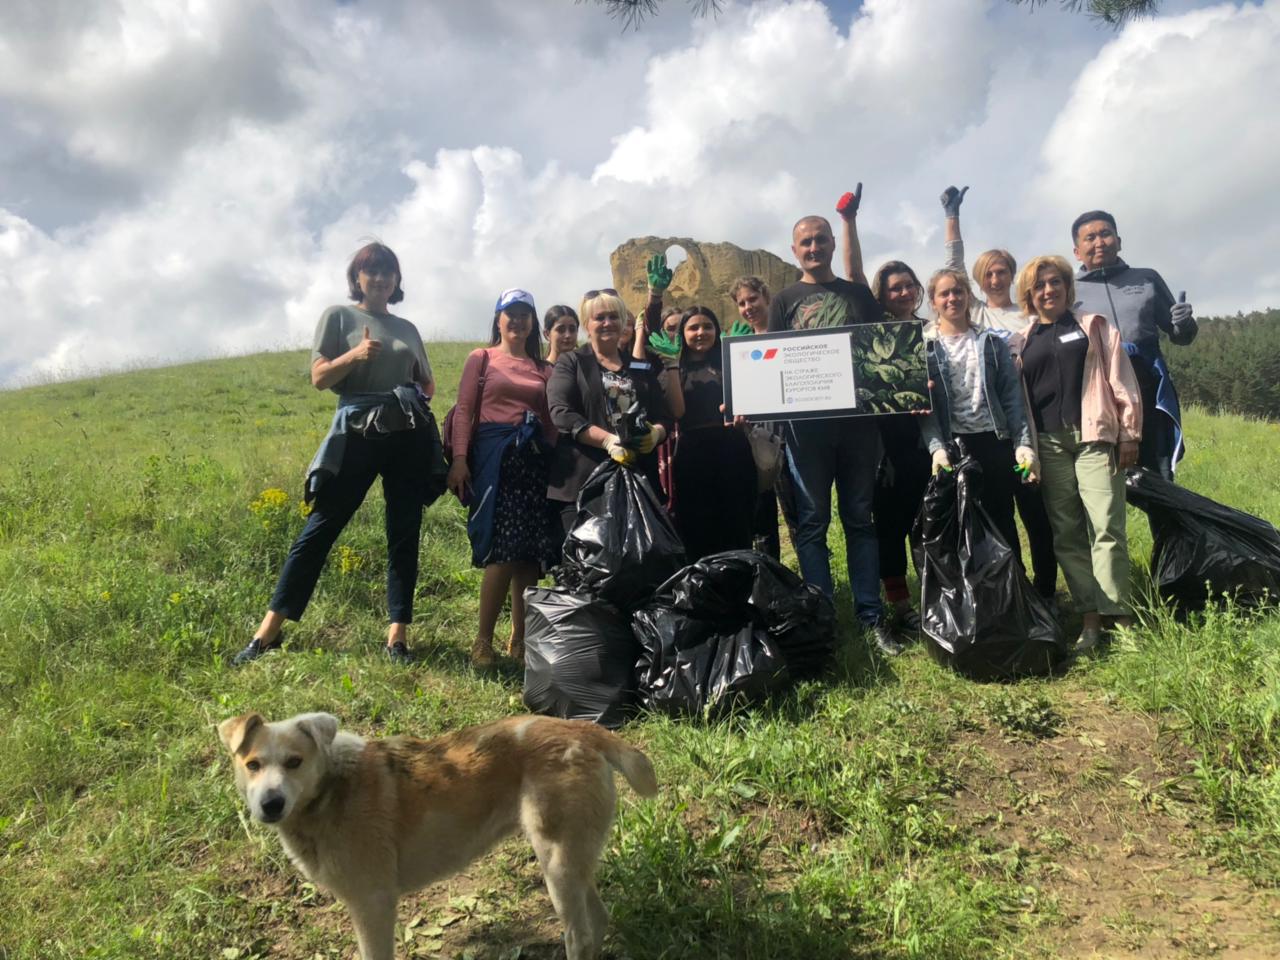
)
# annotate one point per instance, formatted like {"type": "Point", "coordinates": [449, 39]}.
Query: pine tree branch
{"type": "Point", "coordinates": [631, 13]}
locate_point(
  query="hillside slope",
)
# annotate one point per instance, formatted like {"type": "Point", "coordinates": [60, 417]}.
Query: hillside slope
{"type": "Point", "coordinates": [1129, 808]}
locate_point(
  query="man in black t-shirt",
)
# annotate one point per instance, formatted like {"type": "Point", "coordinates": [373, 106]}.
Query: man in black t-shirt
{"type": "Point", "coordinates": [839, 450]}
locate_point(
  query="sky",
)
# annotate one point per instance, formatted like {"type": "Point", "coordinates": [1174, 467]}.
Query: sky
{"type": "Point", "coordinates": [189, 178]}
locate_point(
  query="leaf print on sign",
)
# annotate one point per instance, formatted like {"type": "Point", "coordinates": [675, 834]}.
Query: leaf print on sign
{"type": "Point", "coordinates": [890, 368]}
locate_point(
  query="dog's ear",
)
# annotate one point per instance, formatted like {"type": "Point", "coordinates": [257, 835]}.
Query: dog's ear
{"type": "Point", "coordinates": [235, 732]}
{"type": "Point", "coordinates": [320, 727]}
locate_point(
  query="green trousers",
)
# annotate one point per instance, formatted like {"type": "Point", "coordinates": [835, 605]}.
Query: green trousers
{"type": "Point", "coordinates": [1084, 497]}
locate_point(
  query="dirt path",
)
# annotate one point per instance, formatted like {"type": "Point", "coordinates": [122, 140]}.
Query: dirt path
{"type": "Point", "coordinates": [1099, 811]}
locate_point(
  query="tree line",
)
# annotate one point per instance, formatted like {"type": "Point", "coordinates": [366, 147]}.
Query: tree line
{"type": "Point", "coordinates": [1233, 365]}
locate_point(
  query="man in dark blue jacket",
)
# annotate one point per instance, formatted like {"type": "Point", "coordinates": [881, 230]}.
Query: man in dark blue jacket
{"type": "Point", "coordinates": [1139, 303]}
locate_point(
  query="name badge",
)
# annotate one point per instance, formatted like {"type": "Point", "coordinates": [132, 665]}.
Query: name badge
{"type": "Point", "coordinates": [1073, 335]}
{"type": "Point", "coordinates": [641, 365]}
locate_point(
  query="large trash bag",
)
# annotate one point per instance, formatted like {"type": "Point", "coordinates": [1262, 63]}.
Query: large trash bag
{"type": "Point", "coordinates": [731, 628]}
{"type": "Point", "coordinates": [622, 544]}
{"type": "Point", "coordinates": [1204, 549]}
{"type": "Point", "coordinates": [979, 613]}
{"type": "Point", "coordinates": [580, 657]}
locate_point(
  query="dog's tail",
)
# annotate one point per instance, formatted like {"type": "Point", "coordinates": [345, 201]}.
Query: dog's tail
{"type": "Point", "coordinates": [629, 762]}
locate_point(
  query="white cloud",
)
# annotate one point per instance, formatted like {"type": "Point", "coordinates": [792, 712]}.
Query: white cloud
{"type": "Point", "coordinates": [241, 151]}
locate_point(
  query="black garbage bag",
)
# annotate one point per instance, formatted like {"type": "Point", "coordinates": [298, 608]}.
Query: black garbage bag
{"type": "Point", "coordinates": [622, 545]}
{"type": "Point", "coordinates": [1204, 549]}
{"type": "Point", "coordinates": [979, 612]}
{"type": "Point", "coordinates": [733, 627]}
{"type": "Point", "coordinates": [580, 657]}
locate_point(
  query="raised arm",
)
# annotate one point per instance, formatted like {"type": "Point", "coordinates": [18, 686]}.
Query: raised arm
{"type": "Point", "coordinates": [951, 199]}
{"type": "Point", "coordinates": [847, 207]}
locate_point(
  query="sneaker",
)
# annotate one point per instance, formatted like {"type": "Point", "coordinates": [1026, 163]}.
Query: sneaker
{"type": "Point", "coordinates": [399, 653]}
{"type": "Point", "coordinates": [885, 641]}
{"type": "Point", "coordinates": [908, 620]}
{"type": "Point", "coordinates": [1089, 639]}
{"type": "Point", "coordinates": [255, 649]}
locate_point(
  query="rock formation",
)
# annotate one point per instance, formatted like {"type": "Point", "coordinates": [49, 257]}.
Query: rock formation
{"type": "Point", "coordinates": [703, 278]}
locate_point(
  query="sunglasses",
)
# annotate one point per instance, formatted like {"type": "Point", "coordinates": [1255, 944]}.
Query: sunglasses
{"type": "Point", "coordinates": [592, 294]}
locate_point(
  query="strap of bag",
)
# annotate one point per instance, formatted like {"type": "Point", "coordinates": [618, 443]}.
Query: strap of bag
{"type": "Point", "coordinates": [484, 375]}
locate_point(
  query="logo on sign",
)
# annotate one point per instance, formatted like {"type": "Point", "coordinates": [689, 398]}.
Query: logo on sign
{"type": "Point", "coordinates": [764, 354]}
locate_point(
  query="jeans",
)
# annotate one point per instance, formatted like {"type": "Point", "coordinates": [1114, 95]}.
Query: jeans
{"type": "Point", "coordinates": [844, 451]}
{"type": "Point", "coordinates": [396, 457]}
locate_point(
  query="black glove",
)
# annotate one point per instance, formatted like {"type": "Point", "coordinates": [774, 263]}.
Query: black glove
{"type": "Point", "coordinates": [951, 199]}
{"type": "Point", "coordinates": [1184, 324]}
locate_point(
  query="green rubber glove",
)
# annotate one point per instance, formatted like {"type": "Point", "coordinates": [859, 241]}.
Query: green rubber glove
{"type": "Point", "coordinates": [740, 328]}
{"type": "Point", "coordinates": [659, 272]}
{"type": "Point", "coordinates": [666, 345]}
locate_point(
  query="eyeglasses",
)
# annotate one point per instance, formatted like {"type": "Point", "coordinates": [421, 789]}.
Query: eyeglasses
{"type": "Point", "coordinates": [592, 294]}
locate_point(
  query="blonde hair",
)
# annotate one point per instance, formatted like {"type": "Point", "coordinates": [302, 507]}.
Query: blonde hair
{"type": "Point", "coordinates": [1027, 281]}
{"type": "Point", "coordinates": [984, 261]}
{"type": "Point", "coordinates": [961, 281]}
{"type": "Point", "coordinates": [603, 303]}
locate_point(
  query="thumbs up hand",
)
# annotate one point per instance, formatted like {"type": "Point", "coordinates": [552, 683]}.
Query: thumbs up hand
{"type": "Point", "coordinates": [368, 348]}
{"type": "Point", "coordinates": [1184, 324]}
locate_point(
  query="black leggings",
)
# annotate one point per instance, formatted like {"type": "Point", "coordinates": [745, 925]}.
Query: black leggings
{"type": "Point", "coordinates": [999, 482]}
{"type": "Point", "coordinates": [899, 492]}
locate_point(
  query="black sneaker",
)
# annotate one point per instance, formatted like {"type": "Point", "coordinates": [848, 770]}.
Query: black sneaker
{"type": "Point", "coordinates": [885, 641]}
{"type": "Point", "coordinates": [255, 649]}
{"type": "Point", "coordinates": [399, 653]}
{"type": "Point", "coordinates": [908, 620]}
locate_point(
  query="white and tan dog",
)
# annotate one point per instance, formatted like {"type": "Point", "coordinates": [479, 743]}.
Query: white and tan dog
{"type": "Point", "coordinates": [373, 820]}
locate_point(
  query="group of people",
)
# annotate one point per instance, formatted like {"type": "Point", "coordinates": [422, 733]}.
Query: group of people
{"type": "Point", "coordinates": [1053, 382]}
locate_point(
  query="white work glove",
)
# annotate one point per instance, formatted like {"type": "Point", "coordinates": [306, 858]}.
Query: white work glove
{"type": "Point", "coordinates": [940, 460]}
{"type": "Point", "coordinates": [618, 452]}
{"type": "Point", "coordinates": [1026, 468]}
{"type": "Point", "coordinates": [647, 441]}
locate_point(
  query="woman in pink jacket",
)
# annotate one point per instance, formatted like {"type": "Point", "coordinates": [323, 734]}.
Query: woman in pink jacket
{"type": "Point", "coordinates": [502, 440]}
{"type": "Point", "coordinates": [1087, 420]}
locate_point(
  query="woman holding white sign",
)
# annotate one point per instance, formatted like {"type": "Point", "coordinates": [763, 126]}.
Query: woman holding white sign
{"type": "Point", "coordinates": [977, 400]}
{"type": "Point", "coordinates": [714, 474]}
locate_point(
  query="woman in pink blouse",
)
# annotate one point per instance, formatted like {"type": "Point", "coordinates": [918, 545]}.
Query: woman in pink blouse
{"type": "Point", "coordinates": [501, 451]}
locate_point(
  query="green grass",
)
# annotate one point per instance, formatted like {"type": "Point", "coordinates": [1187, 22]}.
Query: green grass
{"type": "Point", "coordinates": [139, 541]}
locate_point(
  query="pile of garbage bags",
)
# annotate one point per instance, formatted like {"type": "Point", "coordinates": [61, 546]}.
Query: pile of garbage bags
{"type": "Point", "coordinates": [979, 613]}
{"type": "Point", "coordinates": [1204, 550]}
{"type": "Point", "coordinates": [630, 624]}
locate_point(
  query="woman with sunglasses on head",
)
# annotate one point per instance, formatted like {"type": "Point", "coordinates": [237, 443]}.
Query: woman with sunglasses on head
{"type": "Point", "coordinates": [561, 328]}
{"type": "Point", "coordinates": [501, 465]}
{"type": "Point", "coordinates": [596, 395]}
{"type": "Point", "coordinates": [1087, 413]}
{"type": "Point", "coordinates": [376, 364]}
{"type": "Point", "coordinates": [904, 471]}
{"type": "Point", "coordinates": [978, 400]}
{"type": "Point", "coordinates": [714, 473]}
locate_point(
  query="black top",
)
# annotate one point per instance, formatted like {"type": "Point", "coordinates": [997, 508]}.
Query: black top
{"type": "Point", "coordinates": [577, 399]}
{"type": "Point", "coordinates": [1053, 367]}
{"type": "Point", "coordinates": [836, 303]}
{"type": "Point", "coordinates": [703, 394]}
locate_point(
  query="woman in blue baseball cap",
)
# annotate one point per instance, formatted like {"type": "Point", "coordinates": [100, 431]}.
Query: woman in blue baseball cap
{"type": "Point", "coordinates": [500, 447]}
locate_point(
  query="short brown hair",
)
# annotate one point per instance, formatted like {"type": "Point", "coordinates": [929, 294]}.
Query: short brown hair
{"type": "Point", "coordinates": [751, 283]}
{"type": "Point", "coordinates": [373, 256]}
{"type": "Point", "coordinates": [985, 259]}
{"type": "Point", "coordinates": [1027, 281]}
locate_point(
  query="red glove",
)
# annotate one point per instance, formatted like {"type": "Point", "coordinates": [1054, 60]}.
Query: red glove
{"type": "Point", "coordinates": [847, 206]}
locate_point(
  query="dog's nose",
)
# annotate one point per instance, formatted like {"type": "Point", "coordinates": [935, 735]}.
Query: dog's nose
{"type": "Point", "coordinates": [272, 807]}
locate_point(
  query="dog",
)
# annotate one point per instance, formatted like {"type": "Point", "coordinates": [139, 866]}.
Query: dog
{"type": "Point", "coordinates": [372, 820]}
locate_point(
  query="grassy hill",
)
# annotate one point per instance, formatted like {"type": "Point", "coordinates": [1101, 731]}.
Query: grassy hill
{"type": "Point", "coordinates": [1130, 808]}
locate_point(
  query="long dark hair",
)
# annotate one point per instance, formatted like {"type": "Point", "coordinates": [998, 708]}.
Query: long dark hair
{"type": "Point", "coordinates": [532, 343]}
{"type": "Point", "coordinates": [882, 277]}
{"type": "Point", "coordinates": [713, 355]}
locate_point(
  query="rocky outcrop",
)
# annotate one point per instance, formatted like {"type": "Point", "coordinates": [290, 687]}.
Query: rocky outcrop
{"type": "Point", "coordinates": [703, 278]}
